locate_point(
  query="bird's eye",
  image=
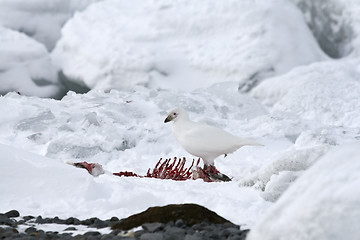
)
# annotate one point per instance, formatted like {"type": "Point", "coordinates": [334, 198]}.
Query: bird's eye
{"type": "Point", "coordinates": [174, 114]}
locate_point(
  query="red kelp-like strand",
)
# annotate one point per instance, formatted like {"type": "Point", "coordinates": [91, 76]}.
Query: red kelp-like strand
{"type": "Point", "coordinates": [126, 174]}
{"type": "Point", "coordinates": [188, 172]}
{"type": "Point", "coordinates": [172, 169]}
{"type": "Point", "coordinates": [86, 165]}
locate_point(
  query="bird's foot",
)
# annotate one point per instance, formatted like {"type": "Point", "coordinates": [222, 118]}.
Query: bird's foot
{"type": "Point", "coordinates": [215, 174]}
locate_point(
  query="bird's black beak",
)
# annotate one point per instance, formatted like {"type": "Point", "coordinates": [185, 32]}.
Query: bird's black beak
{"type": "Point", "coordinates": [168, 119]}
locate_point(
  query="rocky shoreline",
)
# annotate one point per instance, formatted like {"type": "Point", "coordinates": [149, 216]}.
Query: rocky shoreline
{"type": "Point", "coordinates": [14, 226]}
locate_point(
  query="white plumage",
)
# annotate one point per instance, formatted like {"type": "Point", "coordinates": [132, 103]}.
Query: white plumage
{"type": "Point", "coordinates": [204, 141]}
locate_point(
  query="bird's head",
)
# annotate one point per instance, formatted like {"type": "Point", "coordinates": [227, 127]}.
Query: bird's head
{"type": "Point", "coordinates": [176, 114]}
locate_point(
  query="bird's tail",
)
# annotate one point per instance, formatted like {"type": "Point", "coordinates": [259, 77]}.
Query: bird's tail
{"type": "Point", "coordinates": [249, 142]}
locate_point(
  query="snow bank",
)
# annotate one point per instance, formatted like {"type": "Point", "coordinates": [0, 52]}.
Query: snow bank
{"type": "Point", "coordinates": [106, 127]}
{"type": "Point", "coordinates": [325, 92]}
{"type": "Point", "coordinates": [25, 66]}
{"type": "Point", "coordinates": [183, 44]}
{"type": "Point", "coordinates": [322, 204]}
{"type": "Point", "coordinates": [316, 108]}
{"type": "Point", "coordinates": [41, 20]}
{"type": "Point", "coordinates": [38, 185]}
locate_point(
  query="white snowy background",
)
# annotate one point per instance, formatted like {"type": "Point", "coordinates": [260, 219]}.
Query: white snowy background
{"type": "Point", "coordinates": [92, 81]}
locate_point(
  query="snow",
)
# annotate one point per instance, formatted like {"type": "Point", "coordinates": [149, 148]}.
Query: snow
{"type": "Point", "coordinates": [313, 92]}
{"type": "Point", "coordinates": [47, 17]}
{"type": "Point", "coordinates": [43, 186]}
{"type": "Point", "coordinates": [252, 68]}
{"type": "Point", "coordinates": [167, 44]}
{"type": "Point", "coordinates": [332, 214]}
{"type": "Point", "coordinates": [25, 66]}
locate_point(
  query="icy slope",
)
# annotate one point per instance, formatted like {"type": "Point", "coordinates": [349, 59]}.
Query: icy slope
{"type": "Point", "coordinates": [322, 204]}
{"type": "Point", "coordinates": [167, 44]}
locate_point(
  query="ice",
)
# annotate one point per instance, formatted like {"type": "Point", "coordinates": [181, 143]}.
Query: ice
{"type": "Point", "coordinates": [321, 204]}
{"type": "Point", "coordinates": [166, 44]}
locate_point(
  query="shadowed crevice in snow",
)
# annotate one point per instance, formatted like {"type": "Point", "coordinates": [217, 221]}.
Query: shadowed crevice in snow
{"type": "Point", "coordinates": [70, 85]}
{"type": "Point", "coordinates": [255, 79]}
{"type": "Point", "coordinates": [330, 27]}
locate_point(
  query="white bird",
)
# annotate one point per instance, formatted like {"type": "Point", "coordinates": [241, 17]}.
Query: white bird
{"type": "Point", "coordinates": [204, 141]}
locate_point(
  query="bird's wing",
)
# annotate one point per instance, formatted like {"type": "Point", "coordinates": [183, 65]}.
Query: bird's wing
{"type": "Point", "coordinates": [209, 139]}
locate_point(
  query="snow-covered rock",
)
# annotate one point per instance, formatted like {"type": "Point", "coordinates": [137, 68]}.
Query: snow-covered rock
{"type": "Point", "coordinates": [40, 19]}
{"type": "Point", "coordinates": [25, 66]}
{"type": "Point", "coordinates": [335, 25]}
{"type": "Point", "coordinates": [183, 44]}
{"type": "Point", "coordinates": [322, 204]}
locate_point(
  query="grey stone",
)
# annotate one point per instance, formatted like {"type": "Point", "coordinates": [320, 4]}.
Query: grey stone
{"type": "Point", "coordinates": [175, 231]}
{"type": "Point", "coordinates": [70, 229]}
{"type": "Point", "coordinates": [195, 236]}
{"type": "Point", "coordinates": [152, 236]}
{"type": "Point", "coordinates": [180, 223]}
{"type": "Point", "coordinates": [153, 227]}
{"type": "Point", "coordinates": [12, 213]}
{"type": "Point", "coordinates": [30, 230]}
{"type": "Point", "coordinates": [4, 220]}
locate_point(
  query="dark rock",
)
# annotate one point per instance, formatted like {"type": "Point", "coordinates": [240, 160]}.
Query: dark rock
{"type": "Point", "coordinates": [244, 233]}
{"type": "Point", "coordinates": [195, 236]}
{"type": "Point", "coordinates": [100, 224]}
{"type": "Point", "coordinates": [4, 220]}
{"type": "Point", "coordinates": [92, 234]}
{"type": "Point", "coordinates": [30, 230]}
{"type": "Point", "coordinates": [12, 214]}
{"type": "Point", "coordinates": [139, 233]}
{"type": "Point", "coordinates": [175, 230]}
{"type": "Point", "coordinates": [174, 233]}
{"type": "Point", "coordinates": [153, 227]}
{"type": "Point", "coordinates": [111, 237]}
{"type": "Point", "coordinates": [234, 231]}
{"type": "Point", "coordinates": [190, 231]}
{"type": "Point", "coordinates": [235, 237]}
{"type": "Point", "coordinates": [114, 219]}
{"type": "Point", "coordinates": [152, 236]}
{"type": "Point", "coordinates": [6, 233]}
{"type": "Point", "coordinates": [27, 218]}
{"type": "Point", "coordinates": [190, 214]}
{"type": "Point", "coordinates": [65, 236]}
{"type": "Point", "coordinates": [229, 225]}
{"type": "Point", "coordinates": [70, 229]}
{"type": "Point", "coordinates": [72, 221]}
{"type": "Point", "coordinates": [40, 220]}
{"type": "Point", "coordinates": [180, 223]}
{"type": "Point", "coordinates": [57, 220]}
{"type": "Point", "coordinates": [89, 221]}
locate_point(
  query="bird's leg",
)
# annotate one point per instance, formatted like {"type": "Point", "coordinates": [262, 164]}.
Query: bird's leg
{"type": "Point", "coordinates": [206, 167]}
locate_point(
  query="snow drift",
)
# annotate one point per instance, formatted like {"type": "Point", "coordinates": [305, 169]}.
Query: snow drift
{"type": "Point", "coordinates": [322, 204]}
